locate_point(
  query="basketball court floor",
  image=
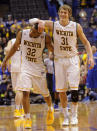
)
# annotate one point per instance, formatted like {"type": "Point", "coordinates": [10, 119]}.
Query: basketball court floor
{"type": "Point", "coordinates": [87, 116]}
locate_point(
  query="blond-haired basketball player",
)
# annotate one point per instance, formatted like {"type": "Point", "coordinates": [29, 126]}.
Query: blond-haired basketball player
{"type": "Point", "coordinates": [15, 73]}
{"type": "Point", "coordinates": [32, 68]}
{"type": "Point", "coordinates": [67, 68]}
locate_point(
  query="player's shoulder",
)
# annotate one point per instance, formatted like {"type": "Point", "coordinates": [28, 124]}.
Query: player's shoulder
{"type": "Point", "coordinates": [56, 22]}
{"type": "Point", "coordinates": [25, 31]}
{"type": "Point", "coordinates": [73, 23]}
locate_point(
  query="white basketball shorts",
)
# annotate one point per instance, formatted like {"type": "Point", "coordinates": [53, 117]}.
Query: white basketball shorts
{"type": "Point", "coordinates": [67, 73]}
{"type": "Point", "coordinates": [38, 83]}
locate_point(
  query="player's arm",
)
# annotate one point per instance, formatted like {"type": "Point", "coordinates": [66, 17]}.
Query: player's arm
{"type": "Point", "coordinates": [86, 44]}
{"type": "Point", "coordinates": [48, 42]}
{"type": "Point", "coordinates": [42, 24]}
{"type": "Point", "coordinates": [12, 50]}
{"type": "Point", "coordinates": [45, 24]}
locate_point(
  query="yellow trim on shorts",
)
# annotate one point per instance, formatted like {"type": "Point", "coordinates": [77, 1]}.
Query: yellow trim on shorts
{"type": "Point", "coordinates": [20, 88]}
{"type": "Point", "coordinates": [61, 89]}
{"type": "Point", "coordinates": [73, 87]}
{"type": "Point", "coordinates": [66, 88]}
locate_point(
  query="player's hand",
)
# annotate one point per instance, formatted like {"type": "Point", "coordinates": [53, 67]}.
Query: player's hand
{"type": "Point", "coordinates": [3, 66]}
{"type": "Point", "coordinates": [91, 62]}
{"type": "Point", "coordinates": [41, 26]}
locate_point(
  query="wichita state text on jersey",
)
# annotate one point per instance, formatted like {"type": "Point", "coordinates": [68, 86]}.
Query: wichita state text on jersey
{"type": "Point", "coordinates": [32, 49]}
{"type": "Point", "coordinates": [65, 40]}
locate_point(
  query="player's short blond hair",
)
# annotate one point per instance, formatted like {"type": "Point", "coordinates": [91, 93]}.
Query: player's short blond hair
{"type": "Point", "coordinates": [66, 7]}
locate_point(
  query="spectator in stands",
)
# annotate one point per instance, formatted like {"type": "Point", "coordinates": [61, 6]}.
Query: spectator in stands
{"type": "Point", "coordinates": [7, 34]}
{"type": "Point", "coordinates": [83, 18]}
{"type": "Point", "coordinates": [84, 22]}
{"type": "Point", "coordinates": [9, 22]}
{"type": "Point", "coordinates": [16, 24]}
{"type": "Point", "coordinates": [92, 23]}
{"type": "Point", "coordinates": [3, 31]}
{"type": "Point", "coordinates": [1, 53]}
{"type": "Point", "coordinates": [95, 35]}
{"type": "Point", "coordinates": [82, 13]}
{"type": "Point", "coordinates": [23, 24]}
{"type": "Point", "coordinates": [12, 32]}
{"type": "Point", "coordinates": [4, 42]}
{"type": "Point", "coordinates": [94, 15]}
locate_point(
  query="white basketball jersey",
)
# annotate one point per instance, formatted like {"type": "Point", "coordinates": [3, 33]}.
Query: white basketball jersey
{"type": "Point", "coordinates": [16, 59]}
{"type": "Point", "coordinates": [65, 40]}
{"type": "Point", "coordinates": [32, 50]}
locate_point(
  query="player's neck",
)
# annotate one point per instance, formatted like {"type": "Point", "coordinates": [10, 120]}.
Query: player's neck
{"type": "Point", "coordinates": [64, 22]}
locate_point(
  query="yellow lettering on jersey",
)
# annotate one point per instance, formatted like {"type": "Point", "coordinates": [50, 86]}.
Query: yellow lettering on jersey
{"type": "Point", "coordinates": [32, 44]}
{"type": "Point", "coordinates": [64, 33]}
{"type": "Point", "coordinates": [66, 48]}
{"type": "Point", "coordinates": [31, 59]}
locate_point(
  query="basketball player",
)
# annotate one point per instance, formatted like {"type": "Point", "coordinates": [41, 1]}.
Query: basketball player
{"type": "Point", "coordinates": [66, 58]}
{"type": "Point", "coordinates": [32, 68]}
{"type": "Point", "coordinates": [15, 72]}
